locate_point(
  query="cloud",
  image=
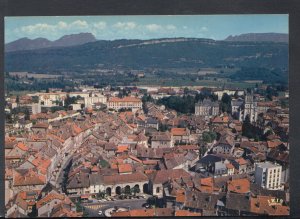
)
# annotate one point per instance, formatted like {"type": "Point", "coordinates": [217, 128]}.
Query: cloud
{"type": "Point", "coordinates": [30, 29]}
{"type": "Point", "coordinates": [79, 24]}
{"type": "Point", "coordinates": [125, 25]}
{"type": "Point", "coordinates": [204, 29]}
{"type": "Point", "coordinates": [100, 25]}
{"type": "Point", "coordinates": [171, 27]}
{"type": "Point", "coordinates": [50, 28]}
{"type": "Point", "coordinates": [153, 27]}
{"type": "Point", "coordinates": [62, 25]}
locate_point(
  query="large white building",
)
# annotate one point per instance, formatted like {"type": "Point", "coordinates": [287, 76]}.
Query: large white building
{"type": "Point", "coordinates": [268, 175]}
{"type": "Point", "coordinates": [207, 108]}
{"type": "Point", "coordinates": [125, 103]}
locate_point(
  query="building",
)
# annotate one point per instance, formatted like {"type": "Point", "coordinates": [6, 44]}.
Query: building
{"type": "Point", "coordinates": [207, 108]}
{"type": "Point", "coordinates": [236, 106]}
{"type": "Point", "coordinates": [220, 93]}
{"type": "Point", "coordinates": [162, 140]}
{"type": "Point", "coordinates": [180, 135]}
{"type": "Point", "coordinates": [250, 109]}
{"type": "Point", "coordinates": [94, 98]}
{"type": "Point", "coordinates": [268, 175]}
{"type": "Point", "coordinates": [125, 103]}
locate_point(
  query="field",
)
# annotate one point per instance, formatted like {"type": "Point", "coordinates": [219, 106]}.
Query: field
{"type": "Point", "coordinates": [182, 81]}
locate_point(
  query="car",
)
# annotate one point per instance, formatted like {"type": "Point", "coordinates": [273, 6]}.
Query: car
{"type": "Point", "coordinates": [100, 212]}
{"type": "Point", "coordinates": [146, 205]}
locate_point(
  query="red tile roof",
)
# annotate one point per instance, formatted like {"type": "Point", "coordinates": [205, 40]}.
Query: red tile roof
{"type": "Point", "coordinates": [125, 168]}
{"type": "Point", "coordinates": [238, 185]}
{"type": "Point", "coordinates": [179, 131]}
{"type": "Point", "coordinates": [22, 146]}
{"type": "Point", "coordinates": [182, 213]}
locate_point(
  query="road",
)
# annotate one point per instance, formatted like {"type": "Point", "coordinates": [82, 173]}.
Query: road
{"type": "Point", "coordinates": [93, 208]}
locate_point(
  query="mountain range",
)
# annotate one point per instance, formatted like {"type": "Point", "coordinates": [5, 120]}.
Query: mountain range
{"type": "Point", "coordinates": [65, 41]}
{"type": "Point", "coordinates": [155, 53]}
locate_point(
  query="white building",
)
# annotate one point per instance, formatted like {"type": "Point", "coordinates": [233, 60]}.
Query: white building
{"type": "Point", "coordinates": [250, 109]}
{"type": "Point", "coordinates": [207, 108]}
{"type": "Point", "coordinates": [94, 98]}
{"type": "Point", "coordinates": [125, 103]}
{"type": "Point", "coordinates": [268, 175]}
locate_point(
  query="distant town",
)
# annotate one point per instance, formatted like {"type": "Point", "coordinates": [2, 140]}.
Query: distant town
{"type": "Point", "coordinates": [141, 150]}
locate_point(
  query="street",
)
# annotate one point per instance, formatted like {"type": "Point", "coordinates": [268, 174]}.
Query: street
{"type": "Point", "coordinates": [93, 208]}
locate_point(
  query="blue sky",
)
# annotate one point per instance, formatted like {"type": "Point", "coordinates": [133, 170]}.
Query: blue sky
{"type": "Point", "coordinates": [216, 27]}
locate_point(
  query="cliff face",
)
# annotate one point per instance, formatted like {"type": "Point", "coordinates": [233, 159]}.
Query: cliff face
{"type": "Point", "coordinates": [259, 37]}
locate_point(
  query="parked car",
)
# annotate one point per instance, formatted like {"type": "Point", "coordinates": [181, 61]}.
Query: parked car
{"type": "Point", "coordinates": [146, 205]}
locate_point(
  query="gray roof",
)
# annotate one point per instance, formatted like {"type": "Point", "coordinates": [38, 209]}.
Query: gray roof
{"type": "Point", "coordinates": [151, 120]}
{"type": "Point", "coordinates": [238, 202]}
{"type": "Point", "coordinates": [201, 200]}
{"type": "Point", "coordinates": [80, 180]}
{"type": "Point", "coordinates": [208, 103]}
{"type": "Point", "coordinates": [210, 158]}
{"type": "Point", "coordinates": [161, 136]}
{"type": "Point", "coordinates": [96, 179]}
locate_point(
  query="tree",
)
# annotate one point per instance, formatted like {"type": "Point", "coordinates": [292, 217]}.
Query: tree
{"type": "Point", "coordinates": [226, 103]}
{"type": "Point", "coordinates": [17, 99]}
{"type": "Point", "coordinates": [135, 190]}
{"type": "Point", "coordinates": [101, 195]}
{"type": "Point", "coordinates": [250, 130]}
{"type": "Point", "coordinates": [27, 114]}
{"type": "Point", "coordinates": [186, 91]}
{"type": "Point", "coordinates": [208, 137]}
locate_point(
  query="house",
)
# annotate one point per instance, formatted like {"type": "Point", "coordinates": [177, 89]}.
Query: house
{"type": "Point", "coordinates": [225, 145]}
{"type": "Point", "coordinates": [151, 123]}
{"type": "Point", "coordinates": [28, 180]}
{"type": "Point", "coordinates": [207, 163]}
{"type": "Point", "coordinates": [78, 184]}
{"type": "Point", "coordinates": [236, 205]}
{"type": "Point", "coordinates": [200, 202]}
{"type": "Point", "coordinates": [161, 140]}
{"type": "Point", "coordinates": [47, 203]}
{"type": "Point", "coordinates": [240, 165]}
{"type": "Point", "coordinates": [22, 203]}
{"type": "Point", "coordinates": [162, 176]}
{"type": "Point", "coordinates": [180, 135]}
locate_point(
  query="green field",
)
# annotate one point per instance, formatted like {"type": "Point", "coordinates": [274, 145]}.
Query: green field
{"type": "Point", "coordinates": [177, 82]}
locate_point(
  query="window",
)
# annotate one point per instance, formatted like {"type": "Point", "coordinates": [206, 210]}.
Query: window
{"type": "Point", "coordinates": [157, 189]}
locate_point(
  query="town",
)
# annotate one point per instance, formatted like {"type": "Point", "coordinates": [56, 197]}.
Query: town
{"type": "Point", "coordinates": [150, 151]}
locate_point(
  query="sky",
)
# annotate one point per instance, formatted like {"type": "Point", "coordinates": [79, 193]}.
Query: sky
{"type": "Point", "coordinates": [216, 27]}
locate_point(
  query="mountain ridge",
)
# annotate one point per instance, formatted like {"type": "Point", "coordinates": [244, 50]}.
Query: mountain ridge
{"type": "Point", "coordinates": [158, 53]}
{"type": "Point", "coordinates": [259, 37]}
{"type": "Point", "coordinates": [39, 43]}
